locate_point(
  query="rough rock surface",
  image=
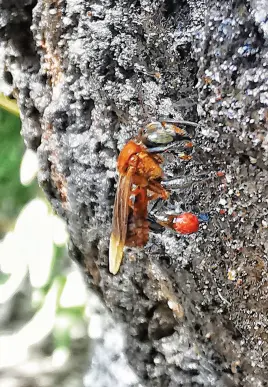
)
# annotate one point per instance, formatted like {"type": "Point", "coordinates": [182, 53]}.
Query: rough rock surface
{"type": "Point", "coordinates": [86, 75]}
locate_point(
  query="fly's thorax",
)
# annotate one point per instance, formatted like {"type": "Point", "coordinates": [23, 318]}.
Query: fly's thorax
{"type": "Point", "coordinates": [149, 167]}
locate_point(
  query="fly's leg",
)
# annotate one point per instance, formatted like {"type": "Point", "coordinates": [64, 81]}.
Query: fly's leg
{"type": "Point", "coordinates": [157, 190]}
{"type": "Point", "coordinates": [179, 183]}
{"type": "Point", "coordinates": [151, 185]}
{"type": "Point", "coordinates": [158, 159]}
{"type": "Point", "coordinates": [151, 217]}
{"type": "Point", "coordinates": [186, 144]}
{"type": "Point", "coordinates": [178, 121]}
{"type": "Point", "coordinates": [161, 148]}
{"type": "Point", "coordinates": [159, 225]}
{"type": "Point", "coordinates": [154, 225]}
{"type": "Point", "coordinates": [153, 196]}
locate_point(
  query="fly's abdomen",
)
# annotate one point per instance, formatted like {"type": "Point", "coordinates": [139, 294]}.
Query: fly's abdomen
{"type": "Point", "coordinates": [138, 232]}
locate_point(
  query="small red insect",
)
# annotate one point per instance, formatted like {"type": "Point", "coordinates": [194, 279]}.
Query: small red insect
{"type": "Point", "coordinates": [140, 175]}
{"type": "Point", "coordinates": [186, 223]}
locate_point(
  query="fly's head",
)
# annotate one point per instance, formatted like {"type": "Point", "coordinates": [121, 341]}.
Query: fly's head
{"type": "Point", "coordinates": [163, 133]}
{"type": "Point", "coordinates": [166, 136]}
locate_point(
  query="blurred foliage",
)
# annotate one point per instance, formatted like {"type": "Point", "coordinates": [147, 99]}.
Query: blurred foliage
{"type": "Point", "coordinates": [39, 308]}
{"type": "Point", "coordinates": [9, 105]}
{"type": "Point", "coordinates": [13, 195]}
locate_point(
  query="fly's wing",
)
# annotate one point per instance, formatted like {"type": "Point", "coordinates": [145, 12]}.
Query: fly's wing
{"type": "Point", "coordinates": [120, 222]}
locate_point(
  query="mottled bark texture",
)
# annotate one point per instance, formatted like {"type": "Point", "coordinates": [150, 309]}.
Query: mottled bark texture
{"type": "Point", "coordinates": [86, 75]}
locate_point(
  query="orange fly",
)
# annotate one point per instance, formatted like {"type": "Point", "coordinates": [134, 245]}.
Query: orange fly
{"type": "Point", "coordinates": [136, 166]}
{"type": "Point", "coordinates": [140, 176]}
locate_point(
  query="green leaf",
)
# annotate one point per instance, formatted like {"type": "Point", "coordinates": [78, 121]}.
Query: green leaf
{"type": "Point", "coordinates": [9, 105]}
{"type": "Point", "coordinates": [12, 194]}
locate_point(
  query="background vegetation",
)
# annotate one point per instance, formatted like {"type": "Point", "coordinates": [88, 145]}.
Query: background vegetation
{"type": "Point", "coordinates": [43, 314]}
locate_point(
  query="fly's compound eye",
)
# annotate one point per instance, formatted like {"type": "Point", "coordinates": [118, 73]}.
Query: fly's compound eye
{"type": "Point", "coordinates": [155, 133]}
{"type": "Point", "coordinates": [174, 130]}
{"type": "Point", "coordinates": [163, 133]}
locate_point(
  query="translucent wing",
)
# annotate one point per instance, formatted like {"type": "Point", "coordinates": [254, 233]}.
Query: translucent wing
{"type": "Point", "coordinates": [120, 222]}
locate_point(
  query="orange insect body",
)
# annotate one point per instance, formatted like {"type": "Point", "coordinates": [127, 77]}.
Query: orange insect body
{"type": "Point", "coordinates": [140, 176]}
{"type": "Point", "coordinates": [136, 166]}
